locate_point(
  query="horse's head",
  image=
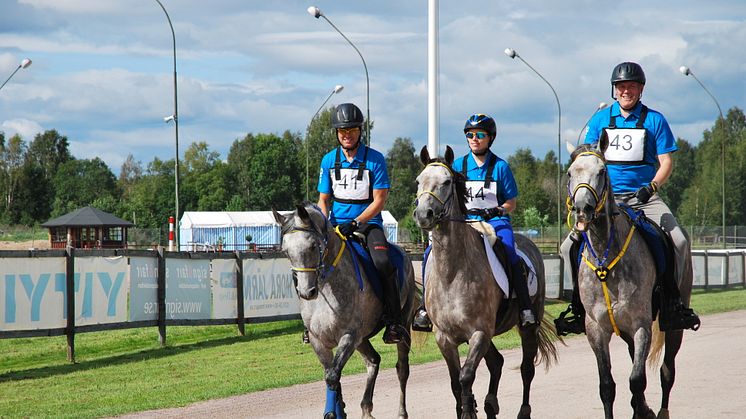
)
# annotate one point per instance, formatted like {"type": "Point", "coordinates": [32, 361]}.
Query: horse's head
{"type": "Point", "coordinates": [441, 192]}
{"type": "Point", "coordinates": [588, 185]}
{"type": "Point", "coordinates": [304, 241]}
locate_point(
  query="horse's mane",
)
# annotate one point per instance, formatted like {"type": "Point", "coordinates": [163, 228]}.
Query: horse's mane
{"type": "Point", "coordinates": [459, 181]}
{"type": "Point", "coordinates": [290, 221]}
{"type": "Point", "coordinates": [583, 148]}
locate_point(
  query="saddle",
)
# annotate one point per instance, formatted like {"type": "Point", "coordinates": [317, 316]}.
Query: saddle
{"type": "Point", "coordinates": [361, 257]}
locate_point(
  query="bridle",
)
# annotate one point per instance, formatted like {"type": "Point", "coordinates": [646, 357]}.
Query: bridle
{"type": "Point", "coordinates": [322, 269]}
{"type": "Point", "coordinates": [445, 212]}
{"type": "Point", "coordinates": [600, 198]}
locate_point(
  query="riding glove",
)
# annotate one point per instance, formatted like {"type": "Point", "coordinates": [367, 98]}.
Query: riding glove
{"type": "Point", "coordinates": [347, 229]}
{"type": "Point", "coordinates": [487, 213]}
{"type": "Point", "coordinates": [644, 194]}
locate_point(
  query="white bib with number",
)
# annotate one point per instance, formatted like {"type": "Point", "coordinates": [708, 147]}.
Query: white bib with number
{"type": "Point", "coordinates": [626, 145]}
{"type": "Point", "coordinates": [477, 196]}
{"type": "Point", "coordinates": [348, 187]}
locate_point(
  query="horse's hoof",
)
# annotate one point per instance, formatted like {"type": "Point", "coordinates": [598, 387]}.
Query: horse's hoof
{"type": "Point", "coordinates": [525, 412]}
{"type": "Point", "coordinates": [491, 407]}
{"type": "Point", "coordinates": [330, 415]}
{"type": "Point", "coordinates": [663, 414]}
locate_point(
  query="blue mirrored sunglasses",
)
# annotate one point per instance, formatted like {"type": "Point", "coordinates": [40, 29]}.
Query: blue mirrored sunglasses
{"type": "Point", "coordinates": [479, 135]}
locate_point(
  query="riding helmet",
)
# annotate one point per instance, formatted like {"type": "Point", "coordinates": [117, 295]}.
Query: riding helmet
{"type": "Point", "coordinates": [347, 115]}
{"type": "Point", "coordinates": [626, 71]}
{"type": "Point", "coordinates": [482, 121]}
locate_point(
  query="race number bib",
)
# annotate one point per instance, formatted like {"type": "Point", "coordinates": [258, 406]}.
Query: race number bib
{"type": "Point", "coordinates": [477, 196]}
{"type": "Point", "coordinates": [626, 145]}
{"type": "Point", "coordinates": [348, 187]}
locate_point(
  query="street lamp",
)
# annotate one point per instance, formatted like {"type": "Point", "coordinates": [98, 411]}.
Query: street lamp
{"type": "Point", "coordinates": [175, 118]}
{"type": "Point", "coordinates": [338, 88]}
{"type": "Point", "coordinates": [688, 72]}
{"type": "Point", "coordinates": [513, 54]}
{"type": "Point", "coordinates": [316, 12]}
{"type": "Point", "coordinates": [601, 105]}
{"type": "Point", "coordinates": [25, 63]}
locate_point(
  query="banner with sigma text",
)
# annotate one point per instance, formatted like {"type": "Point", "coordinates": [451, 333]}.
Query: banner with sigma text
{"type": "Point", "coordinates": [188, 289]}
{"type": "Point", "coordinates": [224, 273]}
{"type": "Point", "coordinates": [143, 288]}
{"type": "Point", "coordinates": [32, 293]}
{"type": "Point", "coordinates": [100, 290]}
{"type": "Point", "coordinates": [268, 288]}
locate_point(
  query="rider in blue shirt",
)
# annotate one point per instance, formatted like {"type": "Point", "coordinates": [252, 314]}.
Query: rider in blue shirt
{"type": "Point", "coordinates": [492, 193]}
{"type": "Point", "coordinates": [639, 162]}
{"type": "Point", "coordinates": [353, 187]}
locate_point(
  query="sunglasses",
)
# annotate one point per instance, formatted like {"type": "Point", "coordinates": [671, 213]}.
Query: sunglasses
{"type": "Point", "coordinates": [479, 135]}
{"type": "Point", "coordinates": [347, 131]}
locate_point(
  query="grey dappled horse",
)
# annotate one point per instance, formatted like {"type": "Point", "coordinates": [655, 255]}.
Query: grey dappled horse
{"type": "Point", "coordinates": [462, 298]}
{"type": "Point", "coordinates": [335, 310]}
{"type": "Point", "coordinates": [629, 284]}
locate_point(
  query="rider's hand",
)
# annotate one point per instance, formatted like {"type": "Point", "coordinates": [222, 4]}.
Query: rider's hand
{"type": "Point", "coordinates": [491, 213]}
{"type": "Point", "coordinates": [347, 229]}
{"type": "Point", "coordinates": [644, 194]}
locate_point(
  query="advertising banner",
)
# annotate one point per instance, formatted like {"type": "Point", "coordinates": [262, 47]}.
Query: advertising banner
{"type": "Point", "coordinates": [100, 290]}
{"type": "Point", "coordinates": [224, 273]}
{"type": "Point", "coordinates": [143, 288]}
{"type": "Point", "coordinates": [268, 288]}
{"type": "Point", "coordinates": [32, 293]}
{"type": "Point", "coordinates": [188, 289]}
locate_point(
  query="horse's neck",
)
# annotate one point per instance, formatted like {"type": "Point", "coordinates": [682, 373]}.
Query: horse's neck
{"type": "Point", "coordinates": [452, 241]}
{"type": "Point", "coordinates": [599, 233]}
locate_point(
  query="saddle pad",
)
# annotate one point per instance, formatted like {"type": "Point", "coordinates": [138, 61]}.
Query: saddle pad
{"type": "Point", "coordinates": [361, 256]}
{"type": "Point", "coordinates": [498, 272]}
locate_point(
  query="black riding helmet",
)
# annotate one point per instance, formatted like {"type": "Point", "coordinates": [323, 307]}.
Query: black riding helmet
{"type": "Point", "coordinates": [626, 71]}
{"type": "Point", "coordinates": [347, 115]}
{"type": "Point", "coordinates": [482, 121]}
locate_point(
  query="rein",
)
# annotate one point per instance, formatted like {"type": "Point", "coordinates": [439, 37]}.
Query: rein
{"type": "Point", "coordinates": [322, 269]}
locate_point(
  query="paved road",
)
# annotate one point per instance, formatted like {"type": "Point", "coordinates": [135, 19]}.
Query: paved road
{"type": "Point", "coordinates": [710, 383]}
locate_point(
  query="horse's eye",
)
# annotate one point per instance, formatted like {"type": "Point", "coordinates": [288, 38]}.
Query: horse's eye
{"type": "Point", "coordinates": [602, 172]}
{"type": "Point", "coordinates": [447, 182]}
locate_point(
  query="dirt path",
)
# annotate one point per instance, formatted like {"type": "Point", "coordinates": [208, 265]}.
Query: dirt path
{"type": "Point", "coordinates": [710, 383]}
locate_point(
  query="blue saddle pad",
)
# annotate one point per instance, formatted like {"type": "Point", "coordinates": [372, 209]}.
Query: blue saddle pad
{"type": "Point", "coordinates": [361, 257]}
{"type": "Point", "coordinates": [656, 239]}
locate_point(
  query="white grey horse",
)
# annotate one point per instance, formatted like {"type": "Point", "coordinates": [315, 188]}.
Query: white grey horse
{"type": "Point", "coordinates": [463, 300]}
{"type": "Point", "coordinates": [622, 302]}
{"type": "Point", "coordinates": [337, 309]}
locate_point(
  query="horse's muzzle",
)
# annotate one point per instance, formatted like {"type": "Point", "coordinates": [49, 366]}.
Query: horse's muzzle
{"type": "Point", "coordinates": [583, 217]}
{"type": "Point", "coordinates": [424, 217]}
{"type": "Point", "coordinates": [308, 293]}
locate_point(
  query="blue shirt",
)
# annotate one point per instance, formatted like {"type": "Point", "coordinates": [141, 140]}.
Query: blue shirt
{"type": "Point", "coordinates": [507, 188]}
{"type": "Point", "coordinates": [376, 165]}
{"type": "Point", "coordinates": [659, 139]}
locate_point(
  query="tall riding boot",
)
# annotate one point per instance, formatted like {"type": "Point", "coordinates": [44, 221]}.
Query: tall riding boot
{"type": "Point", "coordinates": [421, 321]}
{"type": "Point", "coordinates": [394, 332]}
{"type": "Point", "coordinates": [568, 323]}
{"type": "Point", "coordinates": [674, 315]}
{"type": "Point", "coordinates": [519, 283]}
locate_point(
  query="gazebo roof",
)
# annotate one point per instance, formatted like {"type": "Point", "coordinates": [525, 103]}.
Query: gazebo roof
{"type": "Point", "coordinates": [87, 216]}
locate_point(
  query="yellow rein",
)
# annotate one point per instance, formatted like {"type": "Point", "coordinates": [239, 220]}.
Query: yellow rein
{"type": "Point", "coordinates": [602, 272]}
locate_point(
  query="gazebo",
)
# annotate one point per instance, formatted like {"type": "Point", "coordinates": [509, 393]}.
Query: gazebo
{"type": "Point", "coordinates": [88, 228]}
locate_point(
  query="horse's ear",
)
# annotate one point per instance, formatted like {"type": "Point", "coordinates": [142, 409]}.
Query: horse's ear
{"type": "Point", "coordinates": [449, 155]}
{"type": "Point", "coordinates": [278, 217]}
{"type": "Point", "coordinates": [603, 142]}
{"type": "Point", "coordinates": [424, 156]}
{"type": "Point", "coordinates": [302, 213]}
{"type": "Point", "coordinates": [570, 148]}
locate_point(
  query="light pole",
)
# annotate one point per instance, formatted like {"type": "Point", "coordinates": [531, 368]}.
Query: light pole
{"type": "Point", "coordinates": [688, 72]}
{"type": "Point", "coordinates": [513, 54]}
{"type": "Point", "coordinates": [601, 105]}
{"type": "Point", "coordinates": [175, 118]}
{"type": "Point", "coordinates": [338, 88]}
{"type": "Point", "coordinates": [25, 63]}
{"type": "Point", "coordinates": [316, 12]}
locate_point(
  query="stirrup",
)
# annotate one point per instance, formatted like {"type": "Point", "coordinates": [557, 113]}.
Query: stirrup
{"type": "Point", "coordinates": [306, 340]}
{"type": "Point", "coordinates": [568, 323]}
{"type": "Point", "coordinates": [527, 319]}
{"type": "Point", "coordinates": [421, 322]}
{"type": "Point", "coordinates": [394, 333]}
{"type": "Point", "coordinates": [679, 318]}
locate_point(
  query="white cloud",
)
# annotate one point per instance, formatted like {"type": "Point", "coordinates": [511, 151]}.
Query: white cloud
{"type": "Point", "coordinates": [23, 127]}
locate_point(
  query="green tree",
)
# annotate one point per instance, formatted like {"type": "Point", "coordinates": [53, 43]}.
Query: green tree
{"type": "Point", "coordinates": [534, 184]}
{"type": "Point", "coordinates": [206, 180]}
{"type": "Point", "coordinates": [320, 138]}
{"type": "Point", "coordinates": [12, 155]}
{"type": "Point", "coordinates": [403, 166]}
{"type": "Point", "coordinates": [80, 183]}
{"type": "Point", "coordinates": [151, 199]}
{"type": "Point", "coordinates": [681, 177]}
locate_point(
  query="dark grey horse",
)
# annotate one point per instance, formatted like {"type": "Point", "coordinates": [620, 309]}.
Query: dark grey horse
{"type": "Point", "coordinates": [622, 303]}
{"type": "Point", "coordinates": [336, 310]}
{"type": "Point", "coordinates": [463, 300]}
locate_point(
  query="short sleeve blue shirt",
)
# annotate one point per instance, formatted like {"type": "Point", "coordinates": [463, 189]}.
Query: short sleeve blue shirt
{"type": "Point", "coordinates": [375, 164]}
{"type": "Point", "coordinates": [659, 139]}
{"type": "Point", "coordinates": [502, 176]}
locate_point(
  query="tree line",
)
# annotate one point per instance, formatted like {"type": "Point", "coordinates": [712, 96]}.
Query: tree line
{"type": "Point", "coordinates": [40, 179]}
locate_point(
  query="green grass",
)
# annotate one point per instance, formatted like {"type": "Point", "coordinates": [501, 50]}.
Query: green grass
{"type": "Point", "coordinates": [16, 233]}
{"type": "Point", "coordinates": [126, 370]}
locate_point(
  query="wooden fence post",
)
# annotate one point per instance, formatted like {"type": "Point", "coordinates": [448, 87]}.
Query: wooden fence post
{"type": "Point", "coordinates": [70, 301]}
{"type": "Point", "coordinates": [239, 296]}
{"type": "Point", "coordinates": [161, 297]}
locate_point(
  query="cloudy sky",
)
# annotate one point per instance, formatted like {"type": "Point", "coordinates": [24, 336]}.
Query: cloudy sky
{"type": "Point", "coordinates": [102, 71]}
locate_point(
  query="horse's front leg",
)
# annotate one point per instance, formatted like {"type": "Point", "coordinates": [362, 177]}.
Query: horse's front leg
{"type": "Point", "coordinates": [638, 379]}
{"type": "Point", "coordinates": [332, 375]}
{"type": "Point", "coordinates": [599, 341]}
{"type": "Point", "coordinates": [449, 350]}
{"type": "Point", "coordinates": [478, 345]}
{"type": "Point", "coordinates": [372, 361]}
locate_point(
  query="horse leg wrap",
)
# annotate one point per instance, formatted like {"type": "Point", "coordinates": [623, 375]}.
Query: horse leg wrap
{"type": "Point", "coordinates": [334, 405]}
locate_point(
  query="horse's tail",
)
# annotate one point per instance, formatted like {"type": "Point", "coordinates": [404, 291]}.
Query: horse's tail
{"type": "Point", "coordinates": [656, 345]}
{"type": "Point", "coordinates": [545, 338]}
